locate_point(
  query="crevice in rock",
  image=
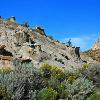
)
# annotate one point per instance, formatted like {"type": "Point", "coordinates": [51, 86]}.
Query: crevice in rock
{"type": "Point", "coordinates": [5, 52]}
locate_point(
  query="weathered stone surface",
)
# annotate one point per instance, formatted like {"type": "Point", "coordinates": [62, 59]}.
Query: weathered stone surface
{"type": "Point", "coordinates": [40, 30]}
{"type": "Point", "coordinates": [33, 44]}
{"type": "Point", "coordinates": [96, 46]}
{"type": "Point", "coordinates": [12, 19]}
{"type": "Point", "coordinates": [22, 50]}
{"type": "Point", "coordinates": [94, 53]}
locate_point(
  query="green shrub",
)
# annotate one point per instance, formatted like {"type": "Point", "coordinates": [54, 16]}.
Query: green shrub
{"type": "Point", "coordinates": [85, 66]}
{"type": "Point", "coordinates": [59, 87]}
{"type": "Point", "coordinates": [54, 71]}
{"type": "Point", "coordinates": [71, 78]}
{"type": "Point", "coordinates": [72, 73]}
{"type": "Point", "coordinates": [62, 91]}
{"type": "Point", "coordinates": [95, 96]}
{"type": "Point", "coordinates": [53, 83]}
{"type": "Point", "coordinates": [26, 24]}
{"type": "Point", "coordinates": [46, 69]}
{"type": "Point", "coordinates": [4, 95]}
{"type": "Point", "coordinates": [79, 89]}
{"type": "Point", "coordinates": [47, 94]}
{"type": "Point", "coordinates": [38, 81]}
{"type": "Point", "coordinates": [45, 66]}
{"type": "Point", "coordinates": [51, 37]}
{"type": "Point", "coordinates": [93, 72]}
{"type": "Point", "coordinates": [58, 73]}
{"type": "Point", "coordinates": [7, 70]}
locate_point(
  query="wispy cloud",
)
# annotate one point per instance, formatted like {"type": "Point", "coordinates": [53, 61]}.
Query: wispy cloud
{"type": "Point", "coordinates": [84, 42]}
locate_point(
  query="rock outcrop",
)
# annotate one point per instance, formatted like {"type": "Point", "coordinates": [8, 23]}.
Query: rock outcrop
{"type": "Point", "coordinates": [21, 41]}
{"type": "Point", "coordinates": [96, 45]}
{"type": "Point", "coordinates": [93, 54]}
{"type": "Point", "coordinates": [22, 49]}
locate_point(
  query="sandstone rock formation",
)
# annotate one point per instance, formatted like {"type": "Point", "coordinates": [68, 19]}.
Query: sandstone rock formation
{"type": "Point", "coordinates": [93, 54]}
{"type": "Point", "coordinates": [96, 45]}
{"type": "Point", "coordinates": [33, 44]}
{"type": "Point", "coordinates": [22, 49]}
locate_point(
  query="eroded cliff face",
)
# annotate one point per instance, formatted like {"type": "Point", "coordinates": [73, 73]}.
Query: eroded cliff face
{"type": "Point", "coordinates": [18, 41]}
{"type": "Point", "coordinates": [96, 46]}
{"type": "Point", "coordinates": [93, 54]}
{"type": "Point", "coordinates": [21, 50]}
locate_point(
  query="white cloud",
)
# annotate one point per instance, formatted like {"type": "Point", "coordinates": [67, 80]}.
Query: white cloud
{"type": "Point", "coordinates": [84, 43]}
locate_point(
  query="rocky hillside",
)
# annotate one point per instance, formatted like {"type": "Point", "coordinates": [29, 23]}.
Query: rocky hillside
{"type": "Point", "coordinates": [96, 46]}
{"type": "Point", "coordinates": [24, 76]}
{"type": "Point", "coordinates": [18, 41]}
{"type": "Point", "coordinates": [93, 53]}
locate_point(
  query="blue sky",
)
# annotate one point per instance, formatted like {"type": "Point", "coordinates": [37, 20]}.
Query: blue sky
{"type": "Point", "coordinates": [63, 19]}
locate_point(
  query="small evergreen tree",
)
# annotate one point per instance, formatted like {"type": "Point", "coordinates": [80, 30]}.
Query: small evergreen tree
{"type": "Point", "coordinates": [69, 43]}
{"type": "Point", "coordinates": [26, 24]}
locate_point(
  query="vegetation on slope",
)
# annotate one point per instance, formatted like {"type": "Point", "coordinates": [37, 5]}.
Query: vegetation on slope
{"type": "Point", "coordinates": [49, 82]}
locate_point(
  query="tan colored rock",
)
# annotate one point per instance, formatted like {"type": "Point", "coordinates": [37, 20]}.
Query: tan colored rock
{"type": "Point", "coordinates": [2, 46]}
{"type": "Point", "coordinates": [27, 43]}
{"type": "Point", "coordinates": [9, 58]}
{"type": "Point", "coordinates": [40, 30]}
{"type": "Point", "coordinates": [12, 19]}
{"type": "Point", "coordinates": [96, 45]}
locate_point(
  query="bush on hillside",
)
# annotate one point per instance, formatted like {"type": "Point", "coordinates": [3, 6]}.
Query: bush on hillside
{"type": "Point", "coordinates": [52, 71]}
{"type": "Point", "coordinates": [46, 70]}
{"type": "Point", "coordinates": [47, 94]}
{"type": "Point", "coordinates": [79, 89]}
{"type": "Point", "coordinates": [7, 70]}
{"type": "Point", "coordinates": [72, 74]}
{"type": "Point", "coordinates": [58, 73]}
{"type": "Point", "coordinates": [95, 96]}
{"type": "Point", "coordinates": [25, 24]}
{"type": "Point", "coordinates": [53, 83]}
{"type": "Point", "coordinates": [85, 66]}
{"type": "Point", "coordinates": [59, 87]}
{"type": "Point", "coordinates": [4, 95]}
{"type": "Point", "coordinates": [93, 72]}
